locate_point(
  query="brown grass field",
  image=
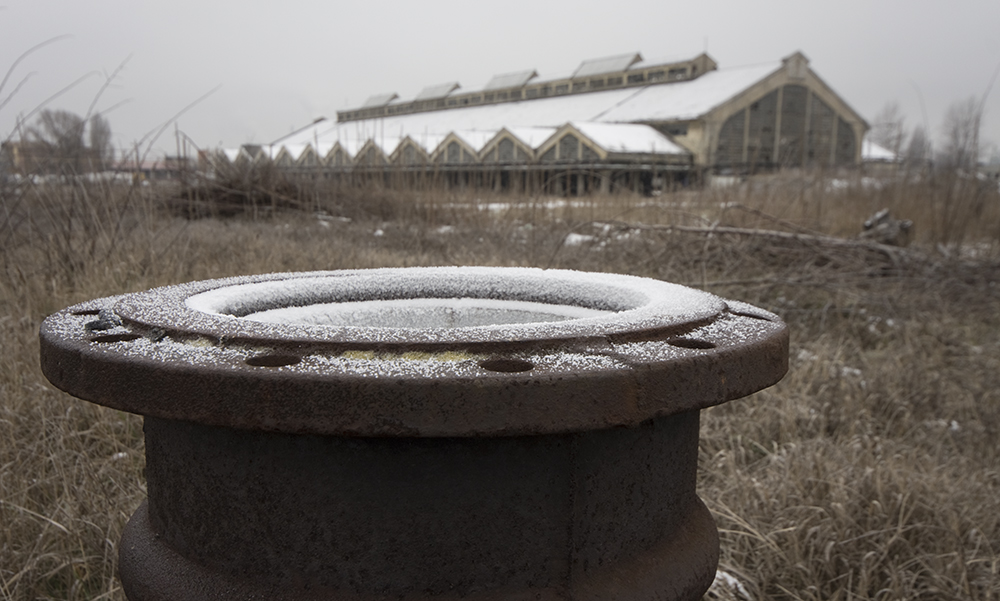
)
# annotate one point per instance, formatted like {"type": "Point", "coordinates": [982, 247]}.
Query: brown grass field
{"type": "Point", "coordinates": [871, 472]}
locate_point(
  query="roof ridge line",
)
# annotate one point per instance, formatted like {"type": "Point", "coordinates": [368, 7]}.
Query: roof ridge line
{"type": "Point", "coordinates": [620, 102]}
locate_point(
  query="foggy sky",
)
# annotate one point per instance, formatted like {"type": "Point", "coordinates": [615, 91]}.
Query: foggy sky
{"type": "Point", "coordinates": [276, 66]}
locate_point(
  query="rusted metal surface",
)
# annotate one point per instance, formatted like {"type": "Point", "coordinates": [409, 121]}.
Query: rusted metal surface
{"type": "Point", "coordinates": [532, 460]}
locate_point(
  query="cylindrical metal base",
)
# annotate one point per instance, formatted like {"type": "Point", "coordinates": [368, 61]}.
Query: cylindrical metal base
{"type": "Point", "coordinates": [429, 433]}
{"type": "Point", "coordinates": [237, 514]}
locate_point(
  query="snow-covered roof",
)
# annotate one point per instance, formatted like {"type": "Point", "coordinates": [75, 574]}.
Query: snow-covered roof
{"type": "Point", "coordinates": [387, 144]}
{"type": "Point", "coordinates": [665, 102]}
{"type": "Point", "coordinates": [350, 145]}
{"type": "Point", "coordinates": [609, 64]}
{"type": "Point", "coordinates": [688, 99]}
{"type": "Point", "coordinates": [438, 91]}
{"type": "Point", "coordinates": [380, 100]}
{"type": "Point", "coordinates": [511, 80]}
{"type": "Point", "coordinates": [611, 118]}
{"type": "Point", "coordinates": [625, 138]}
{"type": "Point", "coordinates": [628, 138]}
{"type": "Point", "coordinates": [476, 139]}
{"type": "Point", "coordinates": [428, 142]}
{"type": "Point", "coordinates": [324, 148]}
{"type": "Point", "coordinates": [532, 137]}
{"type": "Point", "coordinates": [870, 151]}
{"type": "Point", "coordinates": [294, 150]}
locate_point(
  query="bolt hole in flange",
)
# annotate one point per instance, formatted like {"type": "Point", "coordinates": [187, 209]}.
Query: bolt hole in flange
{"type": "Point", "coordinates": [273, 360]}
{"type": "Point", "coordinates": [507, 365]}
{"type": "Point", "coordinates": [107, 338]}
{"type": "Point", "coordinates": [691, 343]}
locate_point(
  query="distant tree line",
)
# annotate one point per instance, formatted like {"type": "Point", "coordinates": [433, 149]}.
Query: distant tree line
{"type": "Point", "coordinates": [63, 143]}
{"type": "Point", "coordinates": [961, 144]}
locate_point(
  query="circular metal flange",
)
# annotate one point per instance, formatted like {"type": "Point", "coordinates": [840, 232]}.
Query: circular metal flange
{"type": "Point", "coordinates": [466, 352]}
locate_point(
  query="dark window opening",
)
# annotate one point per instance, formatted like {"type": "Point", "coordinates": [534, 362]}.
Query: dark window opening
{"type": "Point", "coordinates": [793, 125]}
{"type": "Point", "coordinates": [569, 148]}
{"type": "Point", "coordinates": [760, 137]}
{"type": "Point", "coordinates": [505, 150]}
{"type": "Point", "coordinates": [819, 138]}
{"type": "Point", "coordinates": [454, 152]}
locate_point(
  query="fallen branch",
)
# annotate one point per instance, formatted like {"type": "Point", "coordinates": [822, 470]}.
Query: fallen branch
{"type": "Point", "coordinates": [890, 251]}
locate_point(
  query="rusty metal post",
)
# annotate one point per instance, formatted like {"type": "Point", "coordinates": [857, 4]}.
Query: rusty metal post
{"type": "Point", "coordinates": [424, 433]}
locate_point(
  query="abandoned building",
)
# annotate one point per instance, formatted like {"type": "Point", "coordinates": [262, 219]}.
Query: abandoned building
{"type": "Point", "coordinates": [614, 122]}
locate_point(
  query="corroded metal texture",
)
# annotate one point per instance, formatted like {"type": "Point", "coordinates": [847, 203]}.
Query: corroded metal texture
{"type": "Point", "coordinates": [539, 443]}
{"type": "Point", "coordinates": [561, 516]}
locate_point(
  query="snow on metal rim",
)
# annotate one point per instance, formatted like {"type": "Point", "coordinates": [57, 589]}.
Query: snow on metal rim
{"type": "Point", "coordinates": [284, 307]}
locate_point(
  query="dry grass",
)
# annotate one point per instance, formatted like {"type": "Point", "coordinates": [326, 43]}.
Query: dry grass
{"type": "Point", "coordinates": [870, 472]}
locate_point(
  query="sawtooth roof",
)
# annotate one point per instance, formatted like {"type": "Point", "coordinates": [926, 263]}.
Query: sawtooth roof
{"type": "Point", "coordinates": [612, 119]}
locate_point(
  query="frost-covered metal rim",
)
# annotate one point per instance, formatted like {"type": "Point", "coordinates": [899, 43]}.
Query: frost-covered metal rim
{"type": "Point", "coordinates": [635, 307]}
{"type": "Point", "coordinates": [600, 375]}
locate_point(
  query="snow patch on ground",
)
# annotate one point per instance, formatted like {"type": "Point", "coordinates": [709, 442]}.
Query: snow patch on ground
{"type": "Point", "coordinates": [728, 588]}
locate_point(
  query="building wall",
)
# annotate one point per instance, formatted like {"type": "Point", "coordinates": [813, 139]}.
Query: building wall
{"type": "Point", "coordinates": [789, 119]}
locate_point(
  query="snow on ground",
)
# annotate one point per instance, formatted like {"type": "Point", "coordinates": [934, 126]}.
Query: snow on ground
{"type": "Point", "coordinates": [870, 151]}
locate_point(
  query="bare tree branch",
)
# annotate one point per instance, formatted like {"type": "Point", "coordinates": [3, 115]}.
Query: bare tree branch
{"type": "Point", "coordinates": [27, 52]}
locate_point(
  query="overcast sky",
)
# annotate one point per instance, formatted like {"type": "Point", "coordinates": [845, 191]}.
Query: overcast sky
{"type": "Point", "coordinates": [276, 66]}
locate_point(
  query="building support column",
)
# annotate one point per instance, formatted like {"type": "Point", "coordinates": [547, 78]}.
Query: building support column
{"type": "Point", "coordinates": [605, 181]}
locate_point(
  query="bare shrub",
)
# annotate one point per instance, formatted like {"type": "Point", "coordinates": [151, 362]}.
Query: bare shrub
{"type": "Point", "coordinates": [961, 127]}
{"type": "Point", "coordinates": [889, 129]}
